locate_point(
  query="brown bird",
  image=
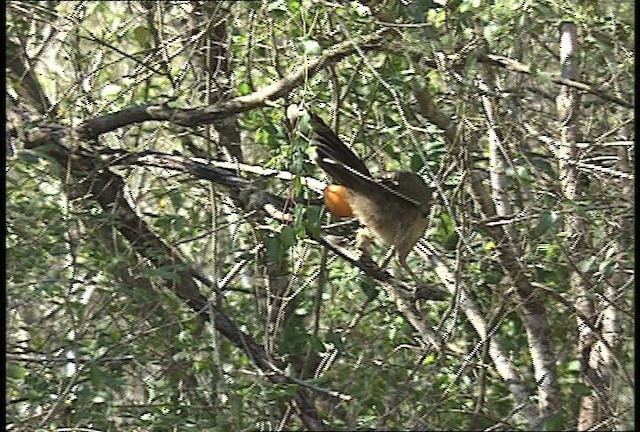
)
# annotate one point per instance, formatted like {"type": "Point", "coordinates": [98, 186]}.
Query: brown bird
{"type": "Point", "coordinates": [394, 207]}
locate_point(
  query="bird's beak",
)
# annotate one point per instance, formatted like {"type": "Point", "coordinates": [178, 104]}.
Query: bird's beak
{"type": "Point", "coordinates": [294, 111]}
{"type": "Point", "coordinates": [298, 118]}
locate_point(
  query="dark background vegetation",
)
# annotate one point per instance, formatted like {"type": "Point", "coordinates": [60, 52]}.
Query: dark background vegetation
{"type": "Point", "coordinates": [169, 266]}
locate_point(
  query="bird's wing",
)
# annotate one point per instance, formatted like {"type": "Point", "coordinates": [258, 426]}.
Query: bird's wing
{"type": "Point", "coordinates": [330, 149]}
{"type": "Point", "coordinates": [409, 186]}
{"type": "Point", "coordinates": [334, 157]}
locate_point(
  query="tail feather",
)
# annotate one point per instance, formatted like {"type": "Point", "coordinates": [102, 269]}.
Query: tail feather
{"type": "Point", "coordinates": [345, 168]}
{"type": "Point", "coordinates": [342, 164]}
{"type": "Point", "coordinates": [333, 155]}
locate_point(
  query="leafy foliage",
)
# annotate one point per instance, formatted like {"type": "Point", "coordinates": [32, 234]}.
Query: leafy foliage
{"type": "Point", "coordinates": [98, 335]}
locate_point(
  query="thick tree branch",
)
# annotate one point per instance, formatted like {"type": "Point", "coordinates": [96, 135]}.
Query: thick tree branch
{"type": "Point", "coordinates": [532, 312]}
{"type": "Point", "coordinates": [465, 300]}
{"type": "Point", "coordinates": [107, 189]}
{"type": "Point", "coordinates": [255, 198]}
{"type": "Point", "coordinates": [197, 116]}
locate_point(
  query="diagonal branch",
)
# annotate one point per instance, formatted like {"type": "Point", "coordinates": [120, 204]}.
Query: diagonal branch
{"type": "Point", "coordinates": [255, 198]}
{"type": "Point", "coordinates": [197, 116]}
{"type": "Point", "coordinates": [107, 189]}
{"type": "Point", "coordinates": [516, 66]}
{"type": "Point", "coordinates": [513, 65]}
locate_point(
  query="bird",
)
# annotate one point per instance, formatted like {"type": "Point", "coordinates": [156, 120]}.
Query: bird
{"type": "Point", "coordinates": [394, 207]}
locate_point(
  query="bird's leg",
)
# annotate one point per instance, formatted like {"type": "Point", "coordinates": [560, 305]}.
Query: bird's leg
{"type": "Point", "coordinates": [402, 259]}
{"type": "Point", "coordinates": [403, 244]}
{"type": "Point", "coordinates": [363, 241]}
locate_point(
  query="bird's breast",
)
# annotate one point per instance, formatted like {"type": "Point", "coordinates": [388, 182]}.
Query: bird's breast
{"type": "Point", "coordinates": [390, 218]}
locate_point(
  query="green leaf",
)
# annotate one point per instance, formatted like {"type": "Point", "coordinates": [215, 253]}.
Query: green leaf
{"type": "Point", "coordinates": [302, 311]}
{"type": "Point", "coordinates": [488, 246]}
{"type": "Point", "coordinates": [490, 32]}
{"type": "Point", "coordinates": [580, 389]}
{"type": "Point", "coordinates": [573, 366]}
{"type": "Point", "coordinates": [110, 90]}
{"type": "Point", "coordinates": [314, 222]}
{"type": "Point", "coordinates": [369, 288]}
{"type": "Point", "coordinates": [429, 359]}
{"type": "Point", "coordinates": [524, 174]}
{"type": "Point", "coordinates": [177, 199]}
{"type": "Point", "coordinates": [15, 371]}
{"type": "Point", "coordinates": [416, 162]}
{"type": "Point", "coordinates": [546, 220]}
{"type": "Point", "coordinates": [96, 376]}
{"type": "Point", "coordinates": [141, 35]}
{"type": "Point", "coordinates": [287, 237]}
{"type": "Point", "coordinates": [29, 157]}
{"type": "Point", "coordinates": [294, 6]}
{"type": "Point", "coordinates": [274, 250]}
{"type": "Point", "coordinates": [437, 17]}
{"type": "Point", "coordinates": [311, 47]}
{"type": "Point", "coordinates": [100, 397]}
{"type": "Point", "coordinates": [243, 88]}
{"type": "Point", "coordinates": [446, 234]}
{"type": "Point", "coordinates": [544, 165]}
{"type": "Point", "coordinates": [555, 422]}
{"type": "Point", "coordinates": [336, 340]}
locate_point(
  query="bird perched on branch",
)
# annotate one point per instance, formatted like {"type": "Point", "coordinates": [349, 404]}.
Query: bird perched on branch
{"type": "Point", "coordinates": [395, 207]}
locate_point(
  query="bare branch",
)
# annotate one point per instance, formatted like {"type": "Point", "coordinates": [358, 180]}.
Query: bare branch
{"type": "Point", "coordinates": [197, 116]}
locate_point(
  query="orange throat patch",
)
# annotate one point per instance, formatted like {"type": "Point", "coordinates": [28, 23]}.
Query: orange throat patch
{"type": "Point", "coordinates": [335, 198]}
